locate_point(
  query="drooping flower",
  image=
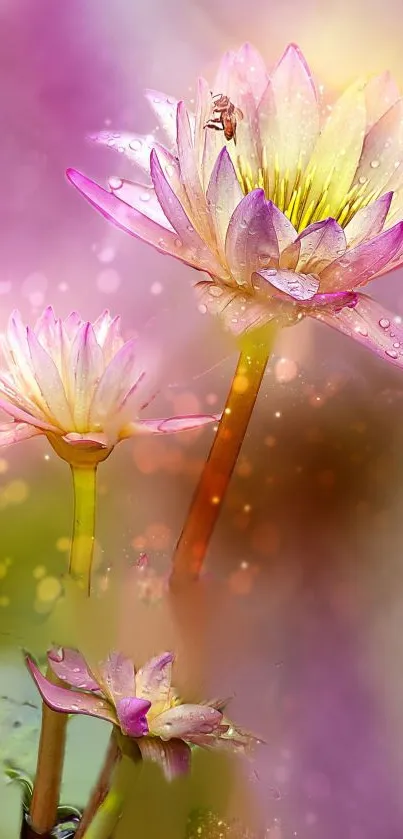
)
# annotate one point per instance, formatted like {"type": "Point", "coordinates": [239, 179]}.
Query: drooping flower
{"type": "Point", "coordinates": [291, 220]}
{"type": "Point", "coordinates": [142, 704]}
{"type": "Point", "coordinates": [78, 383]}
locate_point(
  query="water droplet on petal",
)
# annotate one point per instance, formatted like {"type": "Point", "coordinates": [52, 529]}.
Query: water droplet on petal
{"type": "Point", "coordinates": [374, 164]}
{"type": "Point", "coordinates": [145, 196]}
{"type": "Point", "coordinates": [362, 179]}
{"type": "Point", "coordinates": [391, 353]}
{"type": "Point", "coordinates": [115, 183]}
{"type": "Point", "coordinates": [135, 145]}
{"type": "Point", "coordinates": [384, 323]}
{"type": "Point", "coordinates": [202, 309]}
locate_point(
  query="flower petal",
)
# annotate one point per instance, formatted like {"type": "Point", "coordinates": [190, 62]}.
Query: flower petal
{"type": "Point", "coordinates": [381, 92]}
{"type": "Point", "coordinates": [297, 286]}
{"type": "Point", "coordinates": [189, 169]}
{"type": "Point", "coordinates": [188, 236]}
{"type": "Point", "coordinates": [153, 680]}
{"type": "Point", "coordinates": [15, 432]}
{"type": "Point", "coordinates": [251, 240]}
{"type": "Point", "coordinates": [165, 109]}
{"type": "Point", "coordinates": [318, 245]}
{"type": "Point", "coordinates": [224, 193]}
{"type": "Point", "coordinates": [358, 265]}
{"type": "Point", "coordinates": [86, 365]}
{"type": "Point", "coordinates": [117, 676]}
{"type": "Point", "coordinates": [368, 221]}
{"type": "Point", "coordinates": [70, 666]}
{"type": "Point", "coordinates": [337, 152]}
{"type": "Point", "coordinates": [50, 383]}
{"type": "Point", "coordinates": [173, 756]}
{"type": "Point", "coordinates": [131, 713]}
{"type": "Point", "coordinates": [185, 720]}
{"type": "Point", "coordinates": [238, 310]}
{"type": "Point", "coordinates": [135, 146]}
{"type": "Point", "coordinates": [23, 416]}
{"type": "Point", "coordinates": [124, 373]}
{"type": "Point", "coordinates": [170, 425]}
{"type": "Point", "coordinates": [373, 326]}
{"type": "Point", "coordinates": [70, 701]}
{"type": "Point", "coordinates": [289, 117]}
{"type": "Point", "coordinates": [131, 220]}
{"type": "Point", "coordinates": [381, 161]}
{"type": "Point", "coordinates": [142, 198]}
{"type": "Point", "coordinates": [90, 440]}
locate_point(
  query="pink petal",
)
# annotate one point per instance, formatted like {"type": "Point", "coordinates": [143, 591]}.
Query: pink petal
{"type": "Point", "coordinates": [251, 70]}
{"type": "Point", "coordinates": [131, 220]}
{"type": "Point", "coordinates": [135, 146]}
{"type": "Point", "coordinates": [371, 325]}
{"type": "Point", "coordinates": [318, 245]}
{"type": "Point", "coordinates": [185, 721]}
{"type": "Point", "coordinates": [188, 236]}
{"type": "Point", "coordinates": [360, 264]}
{"type": "Point", "coordinates": [124, 372]}
{"type": "Point", "coordinates": [297, 286]}
{"type": "Point", "coordinates": [380, 163]}
{"type": "Point", "coordinates": [188, 163]}
{"type": "Point", "coordinates": [165, 109]}
{"type": "Point", "coordinates": [170, 425]}
{"type": "Point", "coordinates": [208, 143]}
{"type": "Point", "coordinates": [132, 716]}
{"type": "Point", "coordinates": [153, 680]}
{"type": "Point", "coordinates": [25, 417]}
{"type": "Point", "coordinates": [70, 666]}
{"type": "Point", "coordinates": [289, 117]}
{"type": "Point", "coordinates": [69, 701]}
{"type": "Point", "coordinates": [368, 221]}
{"type": "Point", "coordinates": [50, 383]}
{"type": "Point", "coordinates": [141, 198]}
{"type": "Point", "coordinates": [381, 92]}
{"type": "Point", "coordinates": [117, 676]}
{"type": "Point", "coordinates": [15, 432]}
{"type": "Point", "coordinates": [90, 440]}
{"type": "Point", "coordinates": [86, 367]}
{"type": "Point", "coordinates": [251, 241]}
{"type": "Point", "coordinates": [224, 193]}
{"type": "Point", "coordinates": [173, 756]}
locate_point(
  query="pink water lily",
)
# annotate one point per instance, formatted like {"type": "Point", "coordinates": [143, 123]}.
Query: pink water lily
{"type": "Point", "coordinates": [290, 221]}
{"type": "Point", "coordinates": [78, 383]}
{"type": "Point", "coordinates": [142, 704]}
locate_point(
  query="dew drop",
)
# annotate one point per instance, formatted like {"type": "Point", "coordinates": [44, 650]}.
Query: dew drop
{"type": "Point", "coordinates": [362, 179]}
{"type": "Point", "coordinates": [374, 164]}
{"type": "Point", "coordinates": [135, 145]}
{"type": "Point", "coordinates": [215, 291]}
{"type": "Point", "coordinates": [145, 196]}
{"type": "Point", "coordinates": [202, 309]}
{"type": "Point", "coordinates": [190, 228]}
{"type": "Point", "coordinates": [384, 323]}
{"type": "Point", "coordinates": [178, 243]}
{"type": "Point", "coordinates": [396, 344]}
{"type": "Point", "coordinates": [391, 353]}
{"type": "Point", "coordinates": [115, 183]}
{"type": "Point", "coordinates": [162, 243]}
{"type": "Point", "coordinates": [110, 142]}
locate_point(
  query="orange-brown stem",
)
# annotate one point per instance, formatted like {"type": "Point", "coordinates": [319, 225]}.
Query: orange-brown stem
{"type": "Point", "coordinates": [213, 483]}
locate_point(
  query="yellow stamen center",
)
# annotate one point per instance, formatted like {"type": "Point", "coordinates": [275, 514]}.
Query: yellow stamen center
{"type": "Point", "coordinates": [295, 200]}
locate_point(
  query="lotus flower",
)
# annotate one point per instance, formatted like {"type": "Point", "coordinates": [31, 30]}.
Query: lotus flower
{"type": "Point", "coordinates": [291, 220]}
{"type": "Point", "coordinates": [78, 383]}
{"type": "Point", "coordinates": [142, 705]}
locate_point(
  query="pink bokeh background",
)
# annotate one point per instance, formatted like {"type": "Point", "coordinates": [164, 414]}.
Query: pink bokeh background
{"type": "Point", "coordinates": [309, 547]}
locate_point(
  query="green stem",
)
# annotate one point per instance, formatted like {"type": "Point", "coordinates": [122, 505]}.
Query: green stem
{"type": "Point", "coordinates": [214, 480]}
{"type": "Point", "coordinates": [110, 810]}
{"type": "Point", "coordinates": [47, 784]}
{"type": "Point", "coordinates": [100, 790]}
{"type": "Point", "coordinates": [82, 547]}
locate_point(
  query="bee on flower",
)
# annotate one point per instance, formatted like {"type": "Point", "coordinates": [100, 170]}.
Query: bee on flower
{"type": "Point", "coordinates": [293, 219]}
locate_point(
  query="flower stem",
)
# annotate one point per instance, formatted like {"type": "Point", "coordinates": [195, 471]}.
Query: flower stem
{"type": "Point", "coordinates": [82, 547]}
{"type": "Point", "coordinates": [110, 810]}
{"type": "Point", "coordinates": [100, 790]}
{"type": "Point", "coordinates": [47, 784]}
{"type": "Point", "coordinates": [48, 778]}
{"type": "Point", "coordinates": [213, 483]}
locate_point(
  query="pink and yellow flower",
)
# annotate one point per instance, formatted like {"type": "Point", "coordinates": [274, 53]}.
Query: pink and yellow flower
{"type": "Point", "coordinates": [292, 220]}
{"type": "Point", "coordinates": [78, 383]}
{"type": "Point", "coordinates": [143, 705]}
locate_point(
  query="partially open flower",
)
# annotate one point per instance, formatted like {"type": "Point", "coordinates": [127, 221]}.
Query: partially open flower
{"type": "Point", "coordinates": [142, 705]}
{"type": "Point", "coordinates": [290, 205]}
{"type": "Point", "coordinates": [78, 383]}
